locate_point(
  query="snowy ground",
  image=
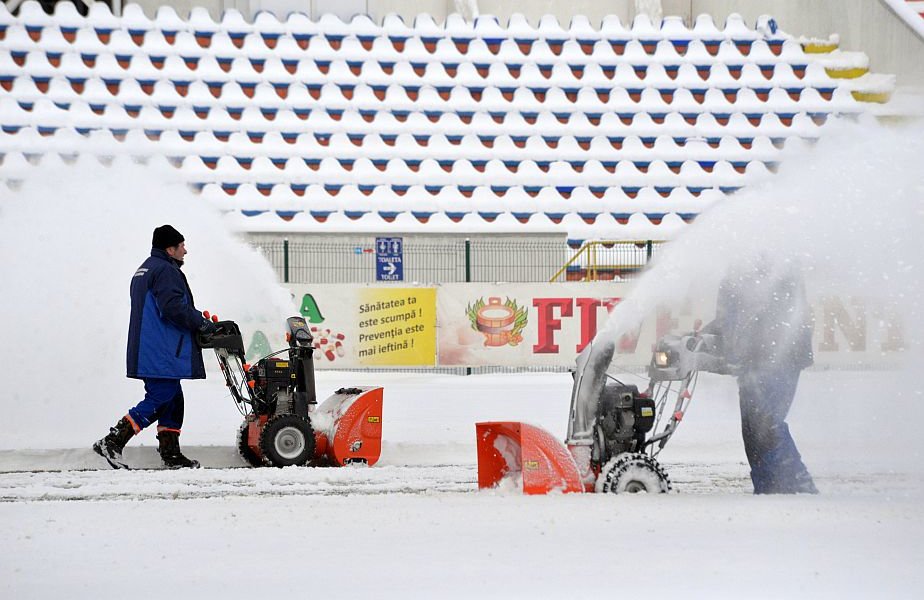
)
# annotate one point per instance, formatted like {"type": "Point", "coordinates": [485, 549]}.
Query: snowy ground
{"type": "Point", "coordinates": [416, 526]}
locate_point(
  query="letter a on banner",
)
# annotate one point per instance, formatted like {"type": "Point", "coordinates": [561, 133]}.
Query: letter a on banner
{"type": "Point", "coordinates": [310, 309]}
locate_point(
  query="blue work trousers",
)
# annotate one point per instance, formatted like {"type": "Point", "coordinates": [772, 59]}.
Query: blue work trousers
{"type": "Point", "coordinates": [163, 402]}
{"type": "Point", "coordinates": [765, 397]}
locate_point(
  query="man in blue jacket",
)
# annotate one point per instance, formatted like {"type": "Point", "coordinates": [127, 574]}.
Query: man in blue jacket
{"type": "Point", "coordinates": [162, 351]}
{"type": "Point", "coordinates": [764, 322]}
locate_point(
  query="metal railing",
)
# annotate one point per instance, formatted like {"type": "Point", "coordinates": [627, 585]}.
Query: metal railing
{"type": "Point", "coordinates": [601, 259]}
{"type": "Point", "coordinates": [459, 260]}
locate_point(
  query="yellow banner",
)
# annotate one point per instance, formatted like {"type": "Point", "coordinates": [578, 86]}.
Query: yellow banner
{"type": "Point", "coordinates": [397, 327]}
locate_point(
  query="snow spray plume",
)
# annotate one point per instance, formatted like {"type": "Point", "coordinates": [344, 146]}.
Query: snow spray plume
{"type": "Point", "coordinates": [70, 238]}
{"type": "Point", "coordinates": [849, 212]}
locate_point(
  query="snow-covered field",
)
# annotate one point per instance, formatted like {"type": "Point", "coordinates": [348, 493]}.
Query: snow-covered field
{"type": "Point", "coordinates": [416, 526]}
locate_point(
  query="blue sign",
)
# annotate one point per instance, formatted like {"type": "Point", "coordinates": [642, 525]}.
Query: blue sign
{"type": "Point", "coordinates": [389, 259]}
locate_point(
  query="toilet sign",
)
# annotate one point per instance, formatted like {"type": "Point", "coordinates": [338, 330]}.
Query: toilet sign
{"type": "Point", "coordinates": [389, 259]}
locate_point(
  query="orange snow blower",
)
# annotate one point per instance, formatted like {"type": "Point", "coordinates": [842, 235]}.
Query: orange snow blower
{"type": "Point", "coordinates": [607, 447]}
{"type": "Point", "coordinates": [283, 423]}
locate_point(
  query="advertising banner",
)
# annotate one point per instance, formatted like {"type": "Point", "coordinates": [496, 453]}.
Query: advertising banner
{"type": "Point", "coordinates": [521, 324]}
{"type": "Point", "coordinates": [536, 325]}
{"type": "Point", "coordinates": [357, 326]}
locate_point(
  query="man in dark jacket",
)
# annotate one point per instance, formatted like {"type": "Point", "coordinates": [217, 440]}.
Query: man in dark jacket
{"type": "Point", "coordinates": [162, 351]}
{"type": "Point", "coordinates": [764, 323]}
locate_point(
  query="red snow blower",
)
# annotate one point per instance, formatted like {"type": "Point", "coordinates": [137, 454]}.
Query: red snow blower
{"type": "Point", "coordinates": [608, 448]}
{"type": "Point", "coordinates": [283, 423]}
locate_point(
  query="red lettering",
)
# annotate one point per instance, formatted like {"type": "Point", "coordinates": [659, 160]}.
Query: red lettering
{"type": "Point", "coordinates": [629, 341]}
{"type": "Point", "coordinates": [610, 304]}
{"type": "Point", "coordinates": [665, 322]}
{"type": "Point", "coordinates": [547, 324]}
{"type": "Point", "coordinates": [588, 307]}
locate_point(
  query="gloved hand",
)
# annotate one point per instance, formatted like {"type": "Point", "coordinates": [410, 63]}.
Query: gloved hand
{"type": "Point", "coordinates": [209, 328]}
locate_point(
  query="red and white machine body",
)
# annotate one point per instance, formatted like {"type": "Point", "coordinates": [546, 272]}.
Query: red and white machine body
{"type": "Point", "coordinates": [607, 448]}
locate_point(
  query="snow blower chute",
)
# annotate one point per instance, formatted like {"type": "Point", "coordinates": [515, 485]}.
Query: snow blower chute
{"type": "Point", "coordinates": [283, 423]}
{"type": "Point", "coordinates": [608, 446]}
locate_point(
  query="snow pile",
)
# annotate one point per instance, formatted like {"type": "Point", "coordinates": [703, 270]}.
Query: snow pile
{"type": "Point", "coordinates": [873, 83]}
{"type": "Point", "coordinates": [842, 60]}
{"type": "Point", "coordinates": [832, 40]}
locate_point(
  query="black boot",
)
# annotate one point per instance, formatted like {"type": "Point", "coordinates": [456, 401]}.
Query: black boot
{"type": "Point", "coordinates": [111, 446]}
{"type": "Point", "coordinates": [170, 451]}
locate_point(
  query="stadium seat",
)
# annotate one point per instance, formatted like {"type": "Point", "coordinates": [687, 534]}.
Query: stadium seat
{"type": "Point", "coordinates": [503, 124]}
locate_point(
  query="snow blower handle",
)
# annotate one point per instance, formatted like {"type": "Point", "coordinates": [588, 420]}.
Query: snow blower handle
{"type": "Point", "coordinates": [220, 335]}
{"type": "Point", "coordinates": [228, 343]}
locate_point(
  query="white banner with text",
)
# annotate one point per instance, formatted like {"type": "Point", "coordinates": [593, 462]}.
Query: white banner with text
{"type": "Point", "coordinates": [532, 325]}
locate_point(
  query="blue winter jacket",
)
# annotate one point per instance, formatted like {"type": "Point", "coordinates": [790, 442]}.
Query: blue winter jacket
{"type": "Point", "coordinates": [164, 320]}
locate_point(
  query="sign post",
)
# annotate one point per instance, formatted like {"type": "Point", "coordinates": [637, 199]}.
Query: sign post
{"type": "Point", "coordinates": [389, 259]}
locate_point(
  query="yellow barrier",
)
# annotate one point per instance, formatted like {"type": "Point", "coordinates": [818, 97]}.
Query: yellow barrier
{"type": "Point", "coordinates": [592, 266]}
{"type": "Point", "coordinates": [851, 73]}
{"type": "Point", "coordinates": [877, 97]}
{"type": "Point", "coordinates": [819, 47]}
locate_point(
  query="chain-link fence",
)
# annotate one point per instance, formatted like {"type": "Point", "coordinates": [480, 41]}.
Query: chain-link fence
{"type": "Point", "coordinates": [457, 260]}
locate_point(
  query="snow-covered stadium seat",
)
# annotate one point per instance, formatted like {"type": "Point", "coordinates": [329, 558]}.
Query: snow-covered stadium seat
{"type": "Point", "coordinates": [507, 122]}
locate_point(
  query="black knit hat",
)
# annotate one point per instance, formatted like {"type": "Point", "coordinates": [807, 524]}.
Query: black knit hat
{"type": "Point", "coordinates": [165, 237]}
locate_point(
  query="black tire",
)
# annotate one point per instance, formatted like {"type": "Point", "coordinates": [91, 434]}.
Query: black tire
{"type": "Point", "coordinates": [631, 474]}
{"type": "Point", "coordinates": [244, 451]}
{"type": "Point", "coordinates": [287, 440]}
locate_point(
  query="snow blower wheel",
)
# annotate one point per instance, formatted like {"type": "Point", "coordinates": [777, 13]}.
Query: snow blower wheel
{"type": "Point", "coordinates": [243, 449]}
{"type": "Point", "coordinates": [287, 440]}
{"type": "Point", "coordinates": [632, 473]}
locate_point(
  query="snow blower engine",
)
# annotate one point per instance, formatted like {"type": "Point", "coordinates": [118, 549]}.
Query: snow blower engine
{"type": "Point", "coordinates": [283, 423]}
{"type": "Point", "coordinates": [613, 432]}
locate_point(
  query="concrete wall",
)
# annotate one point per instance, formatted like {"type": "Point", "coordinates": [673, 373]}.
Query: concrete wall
{"type": "Point", "coordinates": [563, 10]}
{"type": "Point", "coordinates": [867, 25]}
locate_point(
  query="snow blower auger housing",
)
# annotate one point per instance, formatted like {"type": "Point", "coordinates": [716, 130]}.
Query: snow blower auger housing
{"type": "Point", "coordinates": [613, 439]}
{"type": "Point", "coordinates": [283, 423]}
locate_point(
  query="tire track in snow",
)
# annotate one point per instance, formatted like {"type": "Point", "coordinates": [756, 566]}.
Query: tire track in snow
{"type": "Point", "coordinates": [237, 482]}
{"type": "Point", "coordinates": [700, 478]}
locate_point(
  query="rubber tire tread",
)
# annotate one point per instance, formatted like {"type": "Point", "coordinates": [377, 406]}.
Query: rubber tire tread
{"type": "Point", "coordinates": [243, 450]}
{"type": "Point", "coordinates": [273, 426]}
{"type": "Point", "coordinates": [621, 463]}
